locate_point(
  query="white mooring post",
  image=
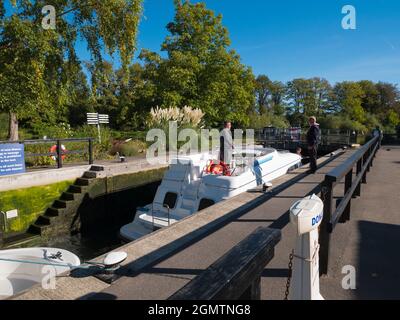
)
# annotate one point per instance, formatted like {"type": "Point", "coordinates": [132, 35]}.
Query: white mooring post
{"type": "Point", "coordinates": [306, 215]}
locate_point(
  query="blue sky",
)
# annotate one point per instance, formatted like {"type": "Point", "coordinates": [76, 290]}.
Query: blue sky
{"type": "Point", "coordinates": [288, 39]}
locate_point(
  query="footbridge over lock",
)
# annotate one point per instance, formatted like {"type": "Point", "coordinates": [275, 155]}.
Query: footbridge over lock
{"type": "Point", "coordinates": [246, 241]}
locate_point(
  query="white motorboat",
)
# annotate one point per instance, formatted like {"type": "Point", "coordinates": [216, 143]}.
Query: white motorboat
{"type": "Point", "coordinates": [194, 183]}
{"type": "Point", "coordinates": [20, 269]}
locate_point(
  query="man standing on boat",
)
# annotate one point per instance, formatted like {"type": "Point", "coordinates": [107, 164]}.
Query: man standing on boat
{"type": "Point", "coordinates": [312, 142]}
{"type": "Point", "coordinates": [226, 144]}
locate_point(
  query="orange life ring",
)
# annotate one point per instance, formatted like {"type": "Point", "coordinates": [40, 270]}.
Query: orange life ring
{"type": "Point", "coordinates": [53, 149]}
{"type": "Point", "coordinates": [217, 168]}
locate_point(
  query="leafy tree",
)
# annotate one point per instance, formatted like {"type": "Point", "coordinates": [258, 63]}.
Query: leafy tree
{"type": "Point", "coordinates": [266, 120]}
{"type": "Point", "coordinates": [263, 93]}
{"type": "Point", "coordinates": [36, 65]}
{"type": "Point", "coordinates": [309, 97]}
{"type": "Point", "coordinates": [349, 98]}
{"type": "Point", "coordinates": [278, 91]}
{"type": "Point", "coordinates": [299, 96]}
{"type": "Point", "coordinates": [200, 70]}
{"type": "Point", "coordinates": [79, 101]}
{"type": "Point", "coordinates": [371, 100]}
{"type": "Point", "coordinates": [388, 110]}
{"type": "Point", "coordinates": [321, 95]}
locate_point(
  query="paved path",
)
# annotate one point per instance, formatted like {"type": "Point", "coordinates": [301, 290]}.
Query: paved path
{"type": "Point", "coordinates": [370, 241]}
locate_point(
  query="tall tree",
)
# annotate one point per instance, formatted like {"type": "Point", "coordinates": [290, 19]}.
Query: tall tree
{"type": "Point", "coordinates": [321, 92]}
{"type": "Point", "coordinates": [297, 92]}
{"type": "Point", "coordinates": [349, 98]}
{"type": "Point", "coordinates": [36, 64]}
{"type": "Point", "coordinates": [263, 93]}
{"type": "Point", "coordinates": [278, 91]}
{"type": "Point", "coordinates": [389, 104]}
{"type": "Point", "coordinates": [371, 100]}
{"type": "Point", "coordinates": [200, 69]}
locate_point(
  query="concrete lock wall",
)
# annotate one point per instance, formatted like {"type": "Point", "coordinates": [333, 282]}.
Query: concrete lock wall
{"type": "Point", "coordinates": [112, 201]}
{"type": "Point", "coordinates": [40, 178]}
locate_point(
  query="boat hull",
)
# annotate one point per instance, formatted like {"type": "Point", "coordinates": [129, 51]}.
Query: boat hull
{"type": "Point", "coordinates": [32, 266]}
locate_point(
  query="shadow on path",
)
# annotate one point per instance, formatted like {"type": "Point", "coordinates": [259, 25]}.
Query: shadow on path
{"type": "Point", "coordinates": [379, 261]}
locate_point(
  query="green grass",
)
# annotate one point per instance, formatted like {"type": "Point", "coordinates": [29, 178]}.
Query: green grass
{"type": "Point", "coordinates": [30, 202]}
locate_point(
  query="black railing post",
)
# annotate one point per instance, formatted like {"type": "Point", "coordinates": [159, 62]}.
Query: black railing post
{"type": "Point", "coordinates": [372, 152]}
{"type": "Point", "coordinates": [325, 232]}
{"type": "Point", "coordinates": [369, 162]}
{"type": "Point", "coordinates": [347, 186]}
{"type": "Point", "coordinates": [253, 292]}
{"type": "Point", "coordinates": [90, 151]}
{"type": "Point", "coordinates": [59, 154]}
{"type": "Point", "coordinates": [364, 178]}
{"type": "Point", "coordinates": [357, 192]}
{"type": "Point", "coordinates": [2, 229]}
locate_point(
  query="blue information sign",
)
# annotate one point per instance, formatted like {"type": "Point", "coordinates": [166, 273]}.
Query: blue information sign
{"type": "Point", "coordinates": [12, 159]}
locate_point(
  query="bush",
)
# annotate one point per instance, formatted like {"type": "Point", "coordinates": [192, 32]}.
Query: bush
{"type": "Point", "coordinates": [268, 119]}
{"type": "Point", "coordinates": [38, 149]}
{"type": "Point", "coordinates": [187, 116]}
{"type": "Point", "coordinates": [125, 135]}
{"type": "Point", "coordinates": [128, 149]}
{"type": "Point", "coordinates": [60, 131]}
{"type": "Point", "coordinates": [100, 150]}
{"type": "Point", "coordinates": [371, 122]}
{"type": "Point", "coordinates": [342, 123]}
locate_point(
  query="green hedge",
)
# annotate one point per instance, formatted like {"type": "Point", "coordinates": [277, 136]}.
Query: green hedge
{"type": "Point", "coordinates": [30, 202]}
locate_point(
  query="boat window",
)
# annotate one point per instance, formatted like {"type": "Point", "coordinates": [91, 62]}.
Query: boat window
{"type": "Point", "coordinates": [205, 203]}
{"type": "Point", "coordinates": [170, 200]}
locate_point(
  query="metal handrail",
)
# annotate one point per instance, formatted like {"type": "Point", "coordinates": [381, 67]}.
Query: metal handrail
{"type": "Point", "coordinates": [337, 214]}
{"type": "Point", "coordinates": [41, 141]}
{"type": "Point", "coordinates": [362, 160]}
{"type": "Point", "coordinates": [338, 173]}
{"type": "Point", "coordinates": [164, 206]}
{"type": "Point", "coordinates": [59, 153]}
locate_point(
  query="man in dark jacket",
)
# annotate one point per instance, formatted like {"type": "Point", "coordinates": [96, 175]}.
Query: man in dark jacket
{"type": "Point", "coordinates": [312, 142]}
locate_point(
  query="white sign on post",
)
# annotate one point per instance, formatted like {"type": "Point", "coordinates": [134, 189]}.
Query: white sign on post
{"type": "Point", "coordinates": [104, 119]}
{"type": "Point", "coordinates": [12, 214]}
{"type": "Point", "coordinates": [97, 119]}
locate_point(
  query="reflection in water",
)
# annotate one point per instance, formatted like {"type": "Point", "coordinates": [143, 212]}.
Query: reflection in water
{"type": "Point", "coordinates": [89, 246]}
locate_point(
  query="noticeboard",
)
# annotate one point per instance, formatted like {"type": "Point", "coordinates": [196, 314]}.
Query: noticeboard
{"type": "Point", "coordinates": [12, 159]}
